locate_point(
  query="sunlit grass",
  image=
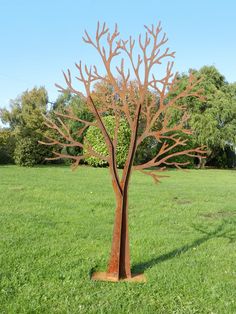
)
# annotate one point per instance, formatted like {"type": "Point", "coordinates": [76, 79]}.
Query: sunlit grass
{"type": "Point", "coordinates": [56, 226]}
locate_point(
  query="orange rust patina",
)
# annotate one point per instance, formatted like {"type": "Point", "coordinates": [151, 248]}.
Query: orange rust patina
{"type": "Point", "coordinates": [143, 100]}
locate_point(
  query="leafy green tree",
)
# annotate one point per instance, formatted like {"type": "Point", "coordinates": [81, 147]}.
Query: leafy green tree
{"type": "Point", "coordinates": [7, 146]}
{"type": "Point", "coordinates": [28, 152]}
{"type": "Point", "coordinates": [213, 120]}
{"type": "Point", "coordinates": [25, 122]}
{"type": "Point", "coordinates": [25, 114]}
{"type": "Point", "coordinates": [66, 105]}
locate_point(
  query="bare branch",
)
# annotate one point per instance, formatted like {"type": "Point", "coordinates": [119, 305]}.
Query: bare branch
{"type": "Point", "coordinates": [71, 116]}
{"type": "Point", "coordinates": [155, 174]}
{"type": "Point", "coordinates": [145, 101]}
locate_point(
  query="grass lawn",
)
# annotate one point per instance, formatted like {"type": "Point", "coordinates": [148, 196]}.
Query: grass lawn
{"type": "Point", "coordinates": [56, 227]}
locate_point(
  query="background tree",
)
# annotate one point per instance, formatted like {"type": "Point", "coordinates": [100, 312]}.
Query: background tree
{"type": "Point", "coordinates": [24, 114]}
{"type": "Point", "coordinates": [25, 122]}
{"type": "Point", "coordinates": [68, 103]}
{"type": "Point", "coordinates": [7, 146]}
{"type": "Point", "coordinates": [212, 119]}
{"type": "Point", "coordinates": [148, 115]}
{"type": "Point", "coordinates": [145, 150]}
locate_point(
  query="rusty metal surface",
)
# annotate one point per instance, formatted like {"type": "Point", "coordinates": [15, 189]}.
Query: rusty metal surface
{"type": "Point", "coordinates": [137, 96]}
{"type": "Point", "coordinates": [101, 276]}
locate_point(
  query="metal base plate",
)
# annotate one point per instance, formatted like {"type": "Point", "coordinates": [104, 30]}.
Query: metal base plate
{"type": "Point", "coordinates": [102, 276]}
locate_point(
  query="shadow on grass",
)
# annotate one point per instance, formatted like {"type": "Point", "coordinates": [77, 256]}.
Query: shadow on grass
{"type": "Point", "coordinates": [227, 230]}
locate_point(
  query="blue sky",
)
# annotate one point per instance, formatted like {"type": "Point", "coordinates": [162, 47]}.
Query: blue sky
{"type": "Point", "coordinates": [40, 38]}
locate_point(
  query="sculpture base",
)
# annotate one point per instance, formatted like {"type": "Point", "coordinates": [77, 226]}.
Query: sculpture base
{"type": "Point", "coordinates": [102, 276]}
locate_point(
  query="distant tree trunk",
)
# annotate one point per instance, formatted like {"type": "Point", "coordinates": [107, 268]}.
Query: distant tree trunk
{"type": "Point", "coordinates": [202, 163]}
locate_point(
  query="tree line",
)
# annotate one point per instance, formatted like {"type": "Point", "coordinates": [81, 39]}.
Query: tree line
{"type": "Point", "coordinates": [212, 121]}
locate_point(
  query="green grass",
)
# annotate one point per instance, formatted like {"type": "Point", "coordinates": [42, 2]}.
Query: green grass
{"type": "Point", "coordinates": [56, 227]}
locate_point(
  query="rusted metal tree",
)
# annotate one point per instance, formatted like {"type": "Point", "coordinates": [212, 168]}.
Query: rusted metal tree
{"type": "Point", "coordinates": [143, 100]}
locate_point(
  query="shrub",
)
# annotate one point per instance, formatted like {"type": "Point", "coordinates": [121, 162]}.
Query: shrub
{"type": "Point", "coordinates": [95, 138]}
{"type": "Point", "coordinates": [7, 146]}
{"type": "Point", "coordinates": [5, 158]}
{"type": "Point", "coordinates": [28, 152]}
{"type": "Point", "coordinates": [225, 158]}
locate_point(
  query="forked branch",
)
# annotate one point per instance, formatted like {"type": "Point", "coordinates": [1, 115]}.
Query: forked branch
{"type": "Point", "coordinates": [138, 96]}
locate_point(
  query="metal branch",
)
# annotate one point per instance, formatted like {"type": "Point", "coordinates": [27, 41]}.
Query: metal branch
{"type": "Point", "coordinates": [144, 103]}
{"type": "Point", "coordinates": [155, 174]}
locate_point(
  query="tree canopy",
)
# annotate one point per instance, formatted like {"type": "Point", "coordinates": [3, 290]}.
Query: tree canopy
{"type": "Point", "coordinates": [212, 119]}
{"type": "Point", "coordinates": [25, 122]}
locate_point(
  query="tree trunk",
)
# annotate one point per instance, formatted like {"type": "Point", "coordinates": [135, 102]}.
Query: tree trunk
{"type": "Point", "coordinates": [119, 263]}
{"type": "Point", "coordinates": [201, 164]}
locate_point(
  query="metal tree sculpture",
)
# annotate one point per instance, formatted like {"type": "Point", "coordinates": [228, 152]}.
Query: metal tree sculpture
{"type": "Point", "coordinates": [143, 101]}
